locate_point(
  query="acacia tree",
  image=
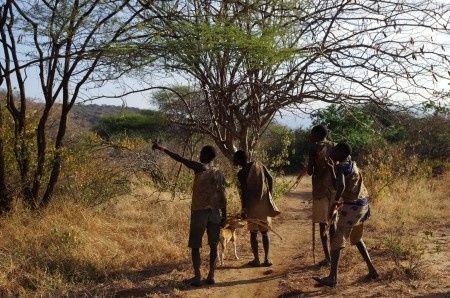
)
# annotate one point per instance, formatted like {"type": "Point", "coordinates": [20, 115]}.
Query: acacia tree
{"type": "Point", "coordinates": [67, 44]}
{"type": "Point", "coordinates": [246, 60]}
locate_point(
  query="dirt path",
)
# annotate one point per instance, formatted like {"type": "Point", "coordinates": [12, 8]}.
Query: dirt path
{"type": "Point", "coordinates": [293, 269]}
{"type": "Point", "coordinates": [234, 280]}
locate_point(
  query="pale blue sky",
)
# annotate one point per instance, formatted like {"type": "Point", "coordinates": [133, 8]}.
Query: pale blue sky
{"type": "Point", "coordinates": [143, 101]}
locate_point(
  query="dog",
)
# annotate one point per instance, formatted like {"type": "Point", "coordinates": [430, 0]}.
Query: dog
{"type": "Point", "coordinates": [227, 235]}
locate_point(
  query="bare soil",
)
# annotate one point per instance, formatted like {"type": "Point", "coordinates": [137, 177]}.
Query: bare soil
{"type": "Point", "coordinates": [293, 266]}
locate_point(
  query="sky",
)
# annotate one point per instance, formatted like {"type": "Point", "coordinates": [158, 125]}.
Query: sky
{"type": "Point", "coordinates": [143, 100]}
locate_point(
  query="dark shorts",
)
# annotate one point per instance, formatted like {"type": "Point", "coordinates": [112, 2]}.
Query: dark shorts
{"type": "Point", "coordinates": [201, 220]}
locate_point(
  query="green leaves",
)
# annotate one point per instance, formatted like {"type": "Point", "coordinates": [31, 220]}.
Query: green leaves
{"type": "Point", "coordinates": [355, 126]}
{"type": "Point", "coordinates": [257, 48]}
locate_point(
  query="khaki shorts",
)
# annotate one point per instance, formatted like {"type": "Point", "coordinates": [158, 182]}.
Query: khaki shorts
{"type": "Point", "coordinates": [321, 209]}
{"type": "Point", "coordinates": [344, 234]}
{"type": "Point", "coordinates": [263, 228]}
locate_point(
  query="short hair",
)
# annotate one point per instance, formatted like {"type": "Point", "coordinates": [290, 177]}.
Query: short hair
{"type": "Point", "coordinates": [343, 149]}
{"type": "Point", "coordinates": [241, 155]}
{"type": "Point", "coordinates": [208, 152]}
{"type": "Point", "coordinates": [320, 130]}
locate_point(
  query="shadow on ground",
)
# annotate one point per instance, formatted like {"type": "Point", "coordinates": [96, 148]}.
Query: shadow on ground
{"type": "Point", "coordinates": [158, 279]}
{"type": "Point", "coordinates": [168, 286]}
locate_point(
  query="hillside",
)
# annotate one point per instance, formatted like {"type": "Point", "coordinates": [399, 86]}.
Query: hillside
{"type": "Point", "coordinates": [89, 115]}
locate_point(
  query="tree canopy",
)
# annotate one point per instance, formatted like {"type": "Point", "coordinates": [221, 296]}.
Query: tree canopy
{"type": "Point", "coordinates": [247, 60]}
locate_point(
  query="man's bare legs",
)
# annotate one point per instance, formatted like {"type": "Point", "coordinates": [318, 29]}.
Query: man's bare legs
{"type": "Point", "coordinates": [266, 245]}
{"type": "Point", "coordinates": [254, 245]}
{"type": "Point", "coordinates": [325, 243]}
{"type": "Point", "coordinates": [365, 254]}
{"type": "Point", "coordinates": [212, 264]}
{"type": "Point", "coordinates": [196, 262]}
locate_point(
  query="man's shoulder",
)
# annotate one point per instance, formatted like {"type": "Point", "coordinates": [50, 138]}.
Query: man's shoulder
{"type": "Point", "coordinates": [346, 167]}
{"type": "Point", "coordinates": [326, 143]}
{"type": "Point", "coordinates": [257, 164]}
{"type": "Point", "coordinates": [215, 171]}
{"type": "Point", "coordinates": [316, 147]}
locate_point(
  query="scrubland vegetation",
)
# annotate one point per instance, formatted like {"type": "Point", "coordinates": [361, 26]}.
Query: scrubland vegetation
{"type": "Point", "coordinates": [86, 207]}
{"type": "Point", "coordinates": [119, 208]}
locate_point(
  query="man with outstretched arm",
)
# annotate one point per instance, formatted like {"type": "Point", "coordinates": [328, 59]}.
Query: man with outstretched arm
{"type": "Point", "coordinates": [353, 211]}
{"type": "Point", "coordinates": [255, 185]}
{"type": "Point", "coordinates": [208, 208]}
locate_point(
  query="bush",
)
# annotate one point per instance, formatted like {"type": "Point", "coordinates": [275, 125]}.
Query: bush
{"type": "Point", "coordinates": [407, 254]}
{"type": "Point", "coordinates": [298, 151]}
{"type": "Point", "coordinates": [146, 124]}
{"type": "Point", "coordinates": [382, 166]}
{"type": "Point", "coordinates": [352, 125]}
{"type": "Point", "coordinates": [274, 146]}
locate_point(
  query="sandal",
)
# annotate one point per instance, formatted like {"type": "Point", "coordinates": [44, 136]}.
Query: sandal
{"type": "Point", "coordinates": [254, 263]}
{"type": "Point", "coordinates": [323, 263]}
{"type": "Point", "coordinates": [194, 282]}
{"type": "Point", "coordinates": [325, 281]}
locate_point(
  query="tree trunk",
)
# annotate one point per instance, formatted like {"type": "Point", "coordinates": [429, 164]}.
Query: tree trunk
{"type": "Point", "coordinates": [57, 158]}
{"type": "Point", "coordinates": [5, 199]}
{"type": "Point", "coordinates": [41, 150]}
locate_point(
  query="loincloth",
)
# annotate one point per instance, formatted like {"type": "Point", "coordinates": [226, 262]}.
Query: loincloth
{"type": "Point", "coordinates": [350, 221]}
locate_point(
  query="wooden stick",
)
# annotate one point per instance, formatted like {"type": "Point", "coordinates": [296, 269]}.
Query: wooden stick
{"type": "Point", "coordinates": [299, 178]}
{"type": "Point", "coordinates": [263, 224]}
{"type": "Point", "coordinates": [314, 241]}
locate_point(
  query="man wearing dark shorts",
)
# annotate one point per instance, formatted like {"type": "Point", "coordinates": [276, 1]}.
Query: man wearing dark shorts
{"type": "Point", "coordinates": [208, 208]}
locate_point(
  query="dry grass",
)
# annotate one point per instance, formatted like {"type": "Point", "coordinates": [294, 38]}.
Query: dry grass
{"type": "Point", "coordinates": [74, 248]}
{"type": "Point", "coordinates": [70, 247]}
{"type": "Point", "coordinates": [408, 218]}
{"type": "Point", "coordinates": [412, 201]}
{"type": "Point", "coordinates": [407, 238]}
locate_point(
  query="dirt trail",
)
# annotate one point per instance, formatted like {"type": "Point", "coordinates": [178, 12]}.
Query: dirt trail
{"type": "Point", "coordinates": [236, 280]}
{"type": "Point", "coordinates": [293, 269]}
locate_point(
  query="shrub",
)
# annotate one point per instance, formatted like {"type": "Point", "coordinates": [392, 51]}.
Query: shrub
{"type": "Point", "coordinates": [274, 146]}
{"type": "Point", "coordinates": [352, 125]}
{"type": "Point", "coordinates": [407, 254]}
{"type": "Point", "coordinates": [146, 124]}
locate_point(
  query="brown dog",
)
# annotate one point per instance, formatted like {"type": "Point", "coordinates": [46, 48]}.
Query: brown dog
{"type": "Point", "coordinates": [227, 235]}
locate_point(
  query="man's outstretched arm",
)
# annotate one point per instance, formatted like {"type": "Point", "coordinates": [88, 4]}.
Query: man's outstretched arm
{"type": "Point", "coordinates": [191, 164]}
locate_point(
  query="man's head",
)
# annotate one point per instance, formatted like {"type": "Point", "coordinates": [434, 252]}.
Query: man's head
{"type": "Point", "coordinates": [340, 152]}
{"type": "Point", "coordinates": [240, 158]}
{"type": "Point", "coordinates": [207, 154]}
{"type": "Point", "coordinates": [318, 133]}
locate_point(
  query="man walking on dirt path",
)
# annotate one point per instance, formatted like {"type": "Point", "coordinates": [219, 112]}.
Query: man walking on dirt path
{"type": "Point", "coordinates": [353, 211]}
{"type": "Point", "coordinates": [208, 208]}
{"type": "Point", "coordinates": [255, 185]}
{"type": "Point", "coordinates": [322, 185]}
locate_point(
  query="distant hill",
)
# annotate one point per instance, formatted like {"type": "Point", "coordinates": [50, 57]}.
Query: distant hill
{"type": "Point", "coordinates": [88, 116]}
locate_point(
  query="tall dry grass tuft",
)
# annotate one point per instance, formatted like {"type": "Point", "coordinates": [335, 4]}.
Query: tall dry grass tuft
{"type": "Point", "coordinates": [71, 246]}
{"type": "Point", "coordinates": [403, 190]}
{"type": "Point", "coordinates": [409, 206]}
